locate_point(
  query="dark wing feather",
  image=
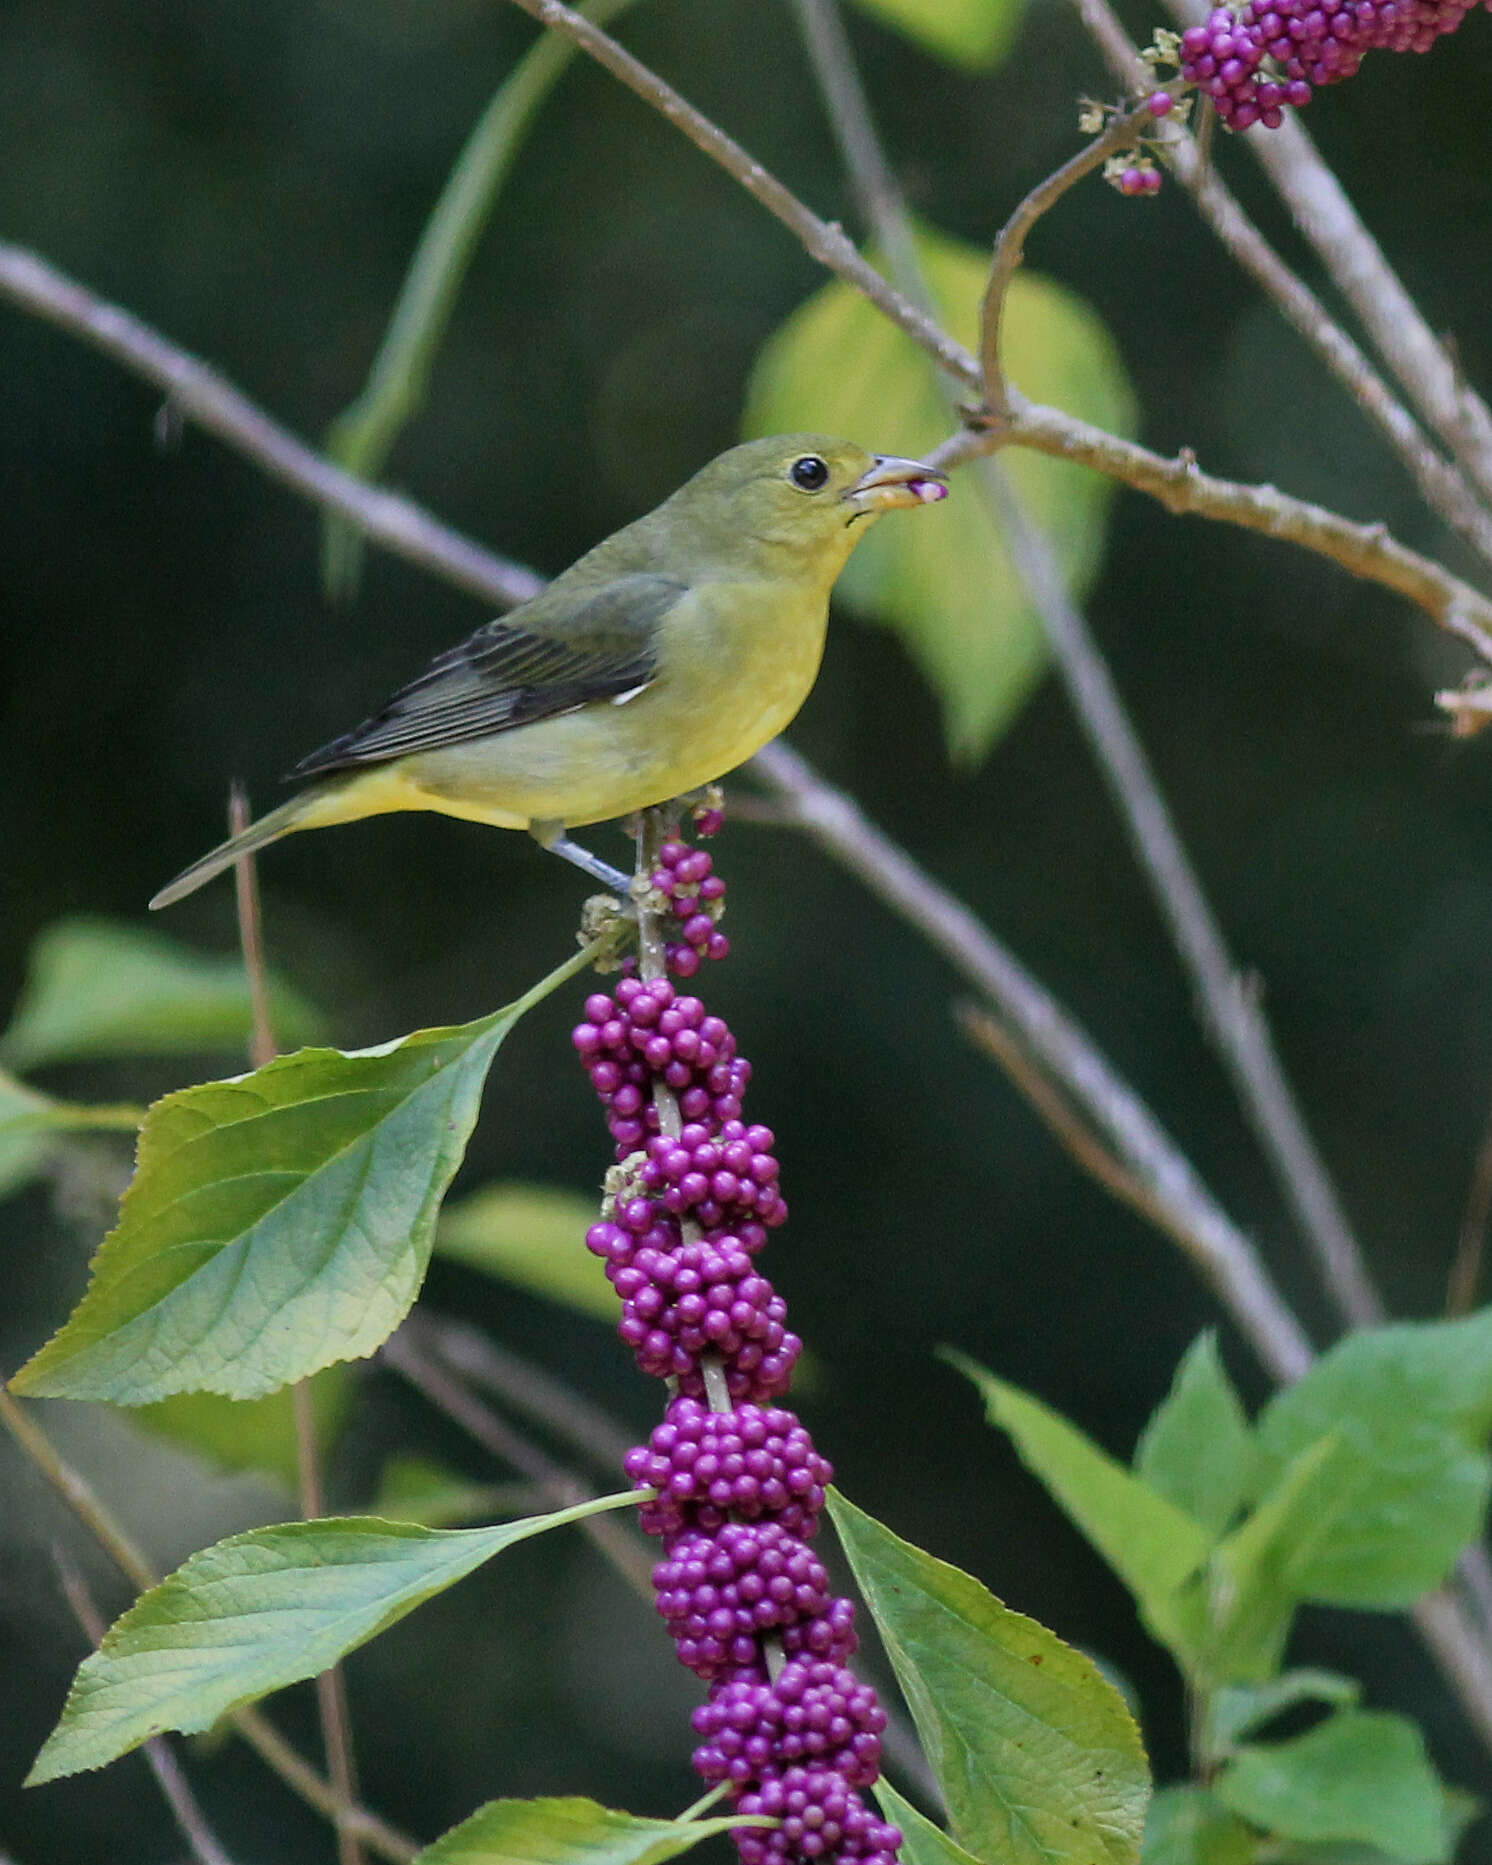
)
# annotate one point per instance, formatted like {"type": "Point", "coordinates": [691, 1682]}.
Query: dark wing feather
{"type": "Point", "coordinates": [506, 675]}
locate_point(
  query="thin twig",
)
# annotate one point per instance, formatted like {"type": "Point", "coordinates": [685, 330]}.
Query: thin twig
{"type": "Point", "coordinates": [400, 526]}
{"type": "Point", "coordinates": [474, 1356]}
{"type": "Point", "coordinates": [876, 188]}
{"type": "Point", "coordinates": [1356, 264]}
{"type": "Point", "coordinates": [1056, 1113]}
{"type": "Point", "coordinates": [1367, 550]}
{"type": "Point", "coordinates": [1228, 1009]}
{"type": "Point", "coordinates": [1226, 1258]}
{"type": "Point", "coordinates": [262, 1046]}
{"type": "Point", "coordinates": [200, 394]}
{"type": "Point", "coordinates": [1442, 485]}
{"type": "Point", "coordinates": [297, 1773]}
{"type": "Point", "coordinates": [332, 1708]}
{"type": "Point", "coordinates": [448, 1394]}
{"type": "Point", "coordinates": [1466, 1270]}
{"type": "Point", "coordinates": [260, 1734]}
{"type": "Point", "coordinates": [1121, 132]}
{"type": "Point", "coordinates": [159, 1757]}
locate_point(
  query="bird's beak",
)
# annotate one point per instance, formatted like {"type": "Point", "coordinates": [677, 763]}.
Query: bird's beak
{"type": "Point", "coordinates": [892, 482]}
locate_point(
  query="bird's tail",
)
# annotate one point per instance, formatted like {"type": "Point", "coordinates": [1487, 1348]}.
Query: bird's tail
{"type": "Point", "coordinates": [291, 815]}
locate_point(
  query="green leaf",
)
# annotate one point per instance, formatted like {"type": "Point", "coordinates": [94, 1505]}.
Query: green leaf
{"type": "Point", "coordinates": [1189, 1826]}
{"type": "Point", "coordinates": [251, 1434]}
{"type": "Point", "coordinates": [25, 1110]}
{"type": "Point", "coordinates": [1412, 1406]}
{"type": "Point", "coordinates": [943, 578]}
{"type": "Point", "coordinates": [1037, 1757]}
{"type": "Point", "coordinates": [1253, 1583]}
{"type": "Point", "coordinates": [568, 1832]}
{"type": "Point", "coordinates": [533, 1236]}
{"type": "Point", "coordinates": [415, 1490]}
{"type": "Point", "coordinates": [1152, 1545]}
{"type": "Point", "coordinates": [96, 988]}
{"type": "Point", "coordinates": [1361, 1775]}
{"type": "Point", "coordinates": [1238, 1708]}
{"type": "Point", "coordinates": [364, 434]}
{"type": "Point", "coordinates": [923, 1843]}
{"type": "Point", "coordinates": [974, 34]}
{"type": "Point", "coordinates": [257, 1612]}
{"type": "Point", "coordinates": [278, 1222]}
{"type": "Point", "coordinates": [1198, 1450]}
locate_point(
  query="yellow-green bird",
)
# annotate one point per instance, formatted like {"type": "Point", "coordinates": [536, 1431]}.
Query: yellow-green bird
{"type": "Point", "coordinates": [659, 661]}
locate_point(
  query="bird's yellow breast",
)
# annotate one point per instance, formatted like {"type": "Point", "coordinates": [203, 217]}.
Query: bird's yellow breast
{"type": "Point", "coordinates": [737, 659]}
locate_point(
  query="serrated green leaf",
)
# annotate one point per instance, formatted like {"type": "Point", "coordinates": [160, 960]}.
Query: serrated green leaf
{"type": "Point", "coordinates": [251, 1434]}
{"type": "Point", "coordinates": [96, 988]}
{"type": "Point", "coordinates": [973, 34]}
{"type": "Point", "coordinates": [1190, 1826]}
{"type": "Point", "coordinates": [532, 1236]}
{"type": "Point", "coordinates": [276, 1223]}
{"type": "Point", "coordinates": [570, 1831]}
{"type": "Point", "coordinates": [1038, 1759]}
{"type": "Point", "coordinates": [1361, 1775]}
{"type": "Point", "coordinates": [1412, 1405]}
{"type": "Point", "coordinates": [1198, 1449]}
{"type": "Point", "coordinates": [1152, 1545]}
{"type": "Point", "coordinates": [923, 1843]}
{"type": "Point", "coordinates": [946, 583]}
{"type": "Point", "coordinates": [1238, 1708]}
{"type": "Point", "coordinates": [259, 1611]}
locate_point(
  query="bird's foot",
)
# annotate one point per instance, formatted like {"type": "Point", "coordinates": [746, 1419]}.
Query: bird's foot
{"type": "Point", "coordinates": [553, 837]}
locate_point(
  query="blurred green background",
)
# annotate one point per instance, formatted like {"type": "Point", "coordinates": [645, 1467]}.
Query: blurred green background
{"type": "Point", "coordinates": [251, 181]}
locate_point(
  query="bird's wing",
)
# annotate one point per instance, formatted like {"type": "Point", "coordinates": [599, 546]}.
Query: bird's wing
{"type": "Point", "coordinates": [506, 675]}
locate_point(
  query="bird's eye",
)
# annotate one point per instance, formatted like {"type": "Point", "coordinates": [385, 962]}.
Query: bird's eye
{"type": "Point", "coordinates": [809, 473]}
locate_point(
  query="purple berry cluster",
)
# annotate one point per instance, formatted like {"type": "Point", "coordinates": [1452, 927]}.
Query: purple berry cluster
{"type": "Point", "coordinates": [1271, 54]}
{"type": "Point", "coordinates": [739, 1485]}
{"type": "Point", "coordinates": [695, 895]}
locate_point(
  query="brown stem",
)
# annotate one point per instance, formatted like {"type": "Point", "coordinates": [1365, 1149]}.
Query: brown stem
{"type": "Point", "coordinates": [260, 1734]}
{"type": "Point", "coordinates": [332, 1708]}
{"type": "Point", "coordinates": [159, 1756]}
{"type": "Point", "coordinates": [1121, 132]}
{"type": "Point", "coordinates": [200, 394]}
{"type": "Point", "coordinates": [449, 1394]}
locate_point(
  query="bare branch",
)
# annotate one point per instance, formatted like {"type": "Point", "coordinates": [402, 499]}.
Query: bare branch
{"type": "Point", "coordinates": [448, 1394]}
{"type": "Point", "coordinates": [257, 1731]}
{"type": "Point", "coordinates": [159, 1756]}
{"type": "Point", "coordinates": [1367, 550]}
{"type": "Point", "coordinates": [202, 395]}
{"type": "Point", "coordinates": [1226, 1258]}
{"type": "Point", "coordinates": [1443, 486]}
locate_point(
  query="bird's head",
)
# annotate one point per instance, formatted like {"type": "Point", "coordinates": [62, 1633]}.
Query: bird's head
{"type": "Point", "coordinates": [805, 494]}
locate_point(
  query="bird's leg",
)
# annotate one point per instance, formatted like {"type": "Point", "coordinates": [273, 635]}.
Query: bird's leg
{"type": "Point", "coordinates": [551, 835]}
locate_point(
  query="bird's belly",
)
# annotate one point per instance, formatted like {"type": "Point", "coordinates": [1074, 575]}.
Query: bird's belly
{"type": "Point", "coordinates": [604, 760]}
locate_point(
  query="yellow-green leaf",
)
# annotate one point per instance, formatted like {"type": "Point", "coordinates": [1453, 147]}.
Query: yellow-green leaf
{"type": "Point", "coordinates": [98, 988]}
{"type": "Point", "coordinates": [533, 1236]}
{"type": "Point", "coordinates": [943, 578]}
{"type": "Point", "coordinates": [571, 1831]}
{"type": "Point", "coordinates": [1038, 1759]}
{"type": "Point", "coordinates": [975, 34]}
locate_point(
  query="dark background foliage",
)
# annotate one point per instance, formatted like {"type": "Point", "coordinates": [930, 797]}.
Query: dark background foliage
{"type": "Point", "coordinates": [251, 180]}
